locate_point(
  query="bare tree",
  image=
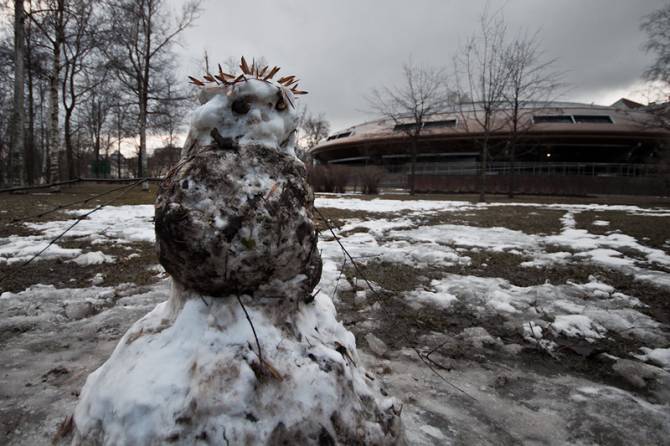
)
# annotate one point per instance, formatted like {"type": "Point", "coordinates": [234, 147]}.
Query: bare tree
{"type": "Point", "coordinates": [482, 73]}
{"type": "Point", "coordinates": [533, 83]}
{"type": "Point", "coordinates": [168, 115]}
{"type": "Point", "coordinates": [36, 71]}
{"type": "Point", "coordinates": [6, 109]}
{"type": "Point", "coordinates": [422, 92]}
{"type": "Point", "coordinates": [50, 18]}
{"type": "Point", "coordinates": [96, 110]}
{"type": "Point", "coordinates": [314, 128]}
{"type": "Point", "coordinates": [78, 62]}
{"type": "Point", "coordinates": [18, 172]}
{"type": "Point", "coordinates": [657, 27]}
{"type": "Point", "coordinates": [143, 33]}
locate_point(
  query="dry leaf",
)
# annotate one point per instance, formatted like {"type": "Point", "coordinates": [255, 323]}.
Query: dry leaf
{"type": "Point", "coordinates": [244, 66]}
{"type": "Point", "coordinates": [196, 81]}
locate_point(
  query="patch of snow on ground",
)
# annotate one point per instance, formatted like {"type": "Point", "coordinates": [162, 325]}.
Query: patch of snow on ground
{"type": "Point", "coordinates": [130, 223]}
{"type": "Point", "coordinates": [437, 295]}
{"type": "Point", "coordinates": [382, 205]}
{"type": "Point", "coordinates": [93, 258]}
{"type": "Point", "coordinates": [16, 249]}
{"type": "Point", "coordinates": [577, 325]}
{"type": "Point", "coordinates": [657, 356]}
{"type": "Point", "coordinates": [111, 224]}
{"type": "Point", "coordinates": [494, 239]}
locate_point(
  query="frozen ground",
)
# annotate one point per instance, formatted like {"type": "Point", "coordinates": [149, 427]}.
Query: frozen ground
{"type": "Point", "coordinates": [521, 323]}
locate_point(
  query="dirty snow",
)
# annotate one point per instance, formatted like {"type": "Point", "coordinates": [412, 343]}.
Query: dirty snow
{"type": "Point", "coordinates": [496, 403]}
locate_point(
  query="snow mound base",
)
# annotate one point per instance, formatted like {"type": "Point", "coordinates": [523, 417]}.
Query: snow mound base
{"type": "Point", "coordinates": [189, 371]}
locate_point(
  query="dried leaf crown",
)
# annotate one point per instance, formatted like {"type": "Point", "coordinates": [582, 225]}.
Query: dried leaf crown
{"type": "Point", "coordinates": [254, 71]}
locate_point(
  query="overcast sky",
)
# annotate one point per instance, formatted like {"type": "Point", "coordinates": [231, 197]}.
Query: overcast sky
{"type": "Point", "coordinates": [342, 49]}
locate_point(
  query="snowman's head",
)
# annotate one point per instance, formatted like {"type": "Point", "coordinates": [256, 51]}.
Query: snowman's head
{"type": "Point", "coordinates": [251, 108]}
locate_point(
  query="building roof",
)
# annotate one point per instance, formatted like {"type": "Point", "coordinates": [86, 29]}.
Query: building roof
{"type": "Point", "coordinates": [535, 118]}
{"type": "Point", "coordinates": [627, 104]}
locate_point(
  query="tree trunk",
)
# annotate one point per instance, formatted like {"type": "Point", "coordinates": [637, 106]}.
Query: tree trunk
{"type": "Point", "coordinates": [144, 99]}
{"type": "Point", "coordinates": [510, 192]}
{"type": "Point", "coordinates": [17, 167]}
{"type": "Point", "coordinates": [482, 170]}
{"type": "Point", "coordinates": [412, 175]}
{"type": "Point", "coordinates": [32, 168]}
{"type": "Point", "coordinates": [54, 140]}
{"type": "Point", "coordinates": [54, 143]}
{"type": "Point", "coordinates": [96, 149]}
{"type": "Point", "coordinates": [515, 132]}
{"type": "Point", "coordinates": [142, 165]}
{"type": "Point", "coordinates": [69, 150]}
{"type": "Point", "coordinates": [118, 135]}
{"type": "Point", "coordinates": [44, 141]}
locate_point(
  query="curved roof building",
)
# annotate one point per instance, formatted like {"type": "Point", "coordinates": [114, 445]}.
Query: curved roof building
{"type": "Point", "coordinates": [556, 132]}
{"type": "Point", "coordinates": [559, 138]}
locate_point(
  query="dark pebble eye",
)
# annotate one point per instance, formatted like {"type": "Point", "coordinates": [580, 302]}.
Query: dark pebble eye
{"type": "Point", "coordinates": [240, 106]}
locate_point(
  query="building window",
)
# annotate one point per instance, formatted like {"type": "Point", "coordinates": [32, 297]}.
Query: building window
{"type": "Point", "coordinates": [552, 119]}
{"type": "Point", "coordinates": [593, 119]}
{"type": "Point", "coordinates": [405, 127]}
{"type": "Point", "coordinates": [338, 136]}
{"type": "Point", "coordinates": [439, 124]}
{"type": "Point", "coordinates": [446, 123]}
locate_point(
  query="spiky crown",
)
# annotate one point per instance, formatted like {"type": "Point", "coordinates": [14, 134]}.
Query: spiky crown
{"type": "Point", "coordinates": [265, 74]}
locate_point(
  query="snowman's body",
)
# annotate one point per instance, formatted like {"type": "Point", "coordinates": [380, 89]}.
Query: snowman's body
{"type": "Point", "coordinates": [237, 220]}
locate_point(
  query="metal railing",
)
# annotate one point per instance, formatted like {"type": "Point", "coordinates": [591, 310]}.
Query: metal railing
{"type": "Point", "coordinates": [535, 168]}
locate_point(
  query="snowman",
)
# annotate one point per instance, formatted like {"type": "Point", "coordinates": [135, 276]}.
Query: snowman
{"type": "Point", "coordinates": [242, 351]}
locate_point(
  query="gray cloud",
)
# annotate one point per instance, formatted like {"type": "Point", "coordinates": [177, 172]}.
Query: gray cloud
{"type": "Point", "coordinates": [341, 49]}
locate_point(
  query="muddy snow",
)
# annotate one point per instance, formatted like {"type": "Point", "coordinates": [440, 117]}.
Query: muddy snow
{"type": "Point", "coordinates": [547, 324]}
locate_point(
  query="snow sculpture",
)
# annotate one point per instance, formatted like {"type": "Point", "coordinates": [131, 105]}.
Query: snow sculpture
{"type": "Point", "coordinates": [241, 352]}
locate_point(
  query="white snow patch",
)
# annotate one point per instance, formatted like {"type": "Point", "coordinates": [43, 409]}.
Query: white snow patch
{"type": "Point", "coordinates": [657, 356]}
{"type": "Point", "coordinates": [577, 325]}
{"type": "Point", "coordinates": [16, 249]}
{"type": "Point", "coordinates": [494, 239]}
{"type": "Point", "coordinates": [93, 258]}
{"type": "Point", "coordinates": [438, 297]}
{"type": "Point", "coordinates": [111, 224]}
{"type": "Point", "coordinates": [383, 205]}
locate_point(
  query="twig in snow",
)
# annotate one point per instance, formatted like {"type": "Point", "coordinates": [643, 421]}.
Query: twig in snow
{"type": "Point", "coordinates": [311, 297]}
{"type": "Point", "coordinates": [436, 348]}
{"type": "Point", "coordinates": [337, 282]}
{"type": "Point", "coordinates": [225, 438]}
{"type": "Point", "coordinates": [268, 367]}
{"type": "Point", "coordinates": [442, 377]}
{"type": "Point", "coordinates": [253, 329]}
{"type": "Point", "coordinates": [337, 239]}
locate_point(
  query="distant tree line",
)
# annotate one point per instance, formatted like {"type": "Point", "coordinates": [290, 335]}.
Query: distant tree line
{"type": "Point", "coordinates": [79, 77]}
